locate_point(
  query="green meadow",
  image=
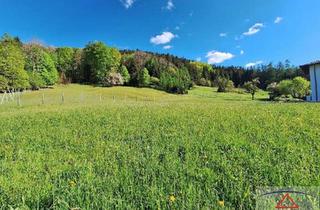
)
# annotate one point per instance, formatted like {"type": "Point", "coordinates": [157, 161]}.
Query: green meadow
{"type": "Point", "coordinates": [83, 147]}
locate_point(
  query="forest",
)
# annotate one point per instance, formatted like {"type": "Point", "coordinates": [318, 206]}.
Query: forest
{"type": "Point", "coordinates": [33, 66]}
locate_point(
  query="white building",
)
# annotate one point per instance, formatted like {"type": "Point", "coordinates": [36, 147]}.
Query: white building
{"type": "Point", "coordinates": [314, 72]}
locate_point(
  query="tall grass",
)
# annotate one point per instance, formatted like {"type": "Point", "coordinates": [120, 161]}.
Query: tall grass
{"type": "Point", "coordinates": [177, 152]}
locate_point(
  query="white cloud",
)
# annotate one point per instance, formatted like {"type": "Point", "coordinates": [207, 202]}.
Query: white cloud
{"type": "Point", "coordinates": [170, 5]}
{"type": "Point", "coordinates": [278, 20]}
{"type": "Point", "coordinates": [254, 29]}
{"type": "Point", "coordinates": [163, 38]}
{"type": "Point", "coordinates": [127, 3]}
{"type": "Point", "coordinates": [241, 52]}
{"type": "Point", "coordinates": [198, 59]}
{"type": "Point", "coordinates": [249, 65]}
{"type": "Point", "coordinates": [215, 57]}
{"type": "Point", "coordinates": [167, 47]}
{"type": "Point", "coordinates": [223, 34]}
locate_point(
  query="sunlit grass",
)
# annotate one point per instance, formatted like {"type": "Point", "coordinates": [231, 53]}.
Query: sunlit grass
{"type": "Point", "coordinates": [146, 149]}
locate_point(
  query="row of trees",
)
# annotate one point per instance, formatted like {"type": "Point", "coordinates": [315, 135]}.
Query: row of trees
{"type": "Point", "coordinates": [35, 66]}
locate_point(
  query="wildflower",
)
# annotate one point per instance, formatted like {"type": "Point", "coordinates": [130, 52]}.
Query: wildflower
{"type": "Point", "coordinates": [72, 183]}
{"type": "Point", "coordinates": [172, 198]}
{"type": "Point", "coordinates": [221, 203]}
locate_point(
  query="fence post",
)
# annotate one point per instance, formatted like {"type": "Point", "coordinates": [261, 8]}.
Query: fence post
{"type": "Point", "coordinates": [62, 98]}
{"type": "Point", "coordinates": [42, 98]}
{"type": "Point", "coordinates": [114, 98]}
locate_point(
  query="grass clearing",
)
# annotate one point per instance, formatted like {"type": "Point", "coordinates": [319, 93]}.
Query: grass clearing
{"type": "Point", "coordinates": [139, 150]}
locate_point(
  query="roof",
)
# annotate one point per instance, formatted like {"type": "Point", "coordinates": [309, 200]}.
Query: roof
{"type": "Point", "coordinates": [311, 64]}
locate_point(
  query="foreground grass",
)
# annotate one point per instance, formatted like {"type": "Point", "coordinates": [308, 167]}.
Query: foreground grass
{"type": "Point", "coordinates": [135, 148]}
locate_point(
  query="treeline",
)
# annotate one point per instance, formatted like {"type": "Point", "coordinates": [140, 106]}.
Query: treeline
{"type": "Point", "coordinates": [33, 66]}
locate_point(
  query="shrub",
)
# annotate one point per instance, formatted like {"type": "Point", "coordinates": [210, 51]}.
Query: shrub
{"type": "Point", "coordinates": [113, 79]}
{"type": "Point", "coordinates": [223, 84]}
{"type": "Point", "coordinates": [205, 82]}
{"type": "Point", "coordinates": [274, 91]}
{"type": "Point", "coordinates": [285, 87]}
{"type": "Point", "coordinates": [300, 87]}
{"type": "Point", "coordinates": [175, 81]}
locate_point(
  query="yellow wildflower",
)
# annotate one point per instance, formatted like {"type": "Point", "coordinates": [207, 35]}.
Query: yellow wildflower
{"type": "Point", "coordinates": [172, 198]}
{"type": "Point", "coordinates": [221, 203]}
{"type": "Point", "coordinates": [72, 183]}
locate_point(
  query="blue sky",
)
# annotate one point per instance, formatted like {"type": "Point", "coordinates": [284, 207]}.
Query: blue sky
{"type": "Point", "coordinates": [224, 32]}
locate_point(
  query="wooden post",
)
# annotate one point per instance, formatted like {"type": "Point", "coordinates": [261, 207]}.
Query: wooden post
{"type": "Point", "coordinates": [42, 98]}
{"type": "Point", "coordinates": [114, 98]}
{"type": "Point", "coordinates": [62, 98]}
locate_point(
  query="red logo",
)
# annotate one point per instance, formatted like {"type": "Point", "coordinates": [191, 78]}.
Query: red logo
{"type": "Point", "coordinates": [287, 203]}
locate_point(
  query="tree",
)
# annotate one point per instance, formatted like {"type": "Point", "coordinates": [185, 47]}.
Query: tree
{"type": "Point", "coordinates": [99, 61]}
{"type": "Point", "coordinates": [300, 87]}
{"type": "Point", "coordinates": [252, 87]}
{"type": "Point", "coordinates": [76, 74]}
{"type": "Point", "coordinates": [12, 63]}
{"type": "Point", "coordinates": [36, 81]}
{"type": "Point", "coordinates": [143, 77]}
{"type": "Point", "coordinates": [124, 73]}
{"type": "Point", "coordinates": [3, 83]}
{"type": "Point", "coordinates": [65, 58]}
{"type": "Point", "coordinates": [40, 62]}
{"type": "Point", "coordinates": [223, 84]}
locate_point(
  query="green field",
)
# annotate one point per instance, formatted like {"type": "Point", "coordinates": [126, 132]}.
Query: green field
{"type": "Point", "coordinates": [128, 148]}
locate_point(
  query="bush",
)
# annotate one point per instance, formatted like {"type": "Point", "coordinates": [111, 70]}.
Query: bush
{"type": "Point", "coordinates": [113, 79]}
{"type": "Point", "coordinates": [224, 84]}
{"type": "Point", "coordinates": [175, 81]}
{"type": "Point", "coordinates": [205, 82]}
{"type": "Point", "coordinates": [297, 88]}
{"type": "Point", "coordinates": [274, 91]}
{"type": "Point", "coordinates": [285, 87]}
{"type": "Point", "coordinates": [300, 87]}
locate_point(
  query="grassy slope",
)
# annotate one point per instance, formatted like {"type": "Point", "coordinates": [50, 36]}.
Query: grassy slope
{"type": "Point", "coordinates": [146, 145]}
